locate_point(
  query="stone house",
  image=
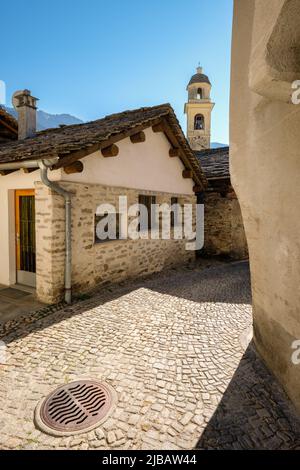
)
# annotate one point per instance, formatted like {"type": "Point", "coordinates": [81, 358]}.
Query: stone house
{"type": "Point", "coordinates": [53, 181]}
{"type": "Point", "coordinates": [224, 229]}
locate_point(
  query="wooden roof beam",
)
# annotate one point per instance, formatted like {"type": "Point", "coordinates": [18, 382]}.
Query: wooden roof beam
{"type": "Point", "coordinates": [111, 151]}
{"type": "Point", "coordinates": [159, 127]}
{"type": "Point", "coordinates": [187, 174]}
{"type": "Point", "coordinates": [138, 138]}
{"type": "Point", "coordinates": [75, 167]}
{"type": "Point", "coordinates": [174, 152]}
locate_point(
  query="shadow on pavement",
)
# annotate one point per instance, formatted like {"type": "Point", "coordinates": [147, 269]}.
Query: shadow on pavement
{"type": "Point", "coordinates": [254, 412]}
{"type": "Point", "coordinates": [224, 283]}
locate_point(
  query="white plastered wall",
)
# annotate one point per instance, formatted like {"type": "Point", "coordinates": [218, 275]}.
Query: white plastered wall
{"type": "Point", "coordinates": [145, 165]}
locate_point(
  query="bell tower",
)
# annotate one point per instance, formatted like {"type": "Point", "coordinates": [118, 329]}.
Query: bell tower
{"type": "Point", "coordinates": [198, 110]}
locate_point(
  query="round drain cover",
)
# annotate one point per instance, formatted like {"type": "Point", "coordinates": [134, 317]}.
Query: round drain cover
{"type": "Point", "coordinates": [76, 407]}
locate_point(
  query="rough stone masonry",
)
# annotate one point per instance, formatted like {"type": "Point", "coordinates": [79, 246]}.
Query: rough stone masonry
{"type": "Point", "coordinates": [96, 264]}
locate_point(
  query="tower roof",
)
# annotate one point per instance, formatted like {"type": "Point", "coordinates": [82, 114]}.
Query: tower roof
{"type": "Point", "coordinates": [199, 77]}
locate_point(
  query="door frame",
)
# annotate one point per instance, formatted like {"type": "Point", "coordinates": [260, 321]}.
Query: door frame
{"type": "Point", "coordinates": [19, 193]}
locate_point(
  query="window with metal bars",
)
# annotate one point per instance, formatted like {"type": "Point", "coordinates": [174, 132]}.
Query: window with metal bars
{"type": "Point", "coordinates": [148, 202]}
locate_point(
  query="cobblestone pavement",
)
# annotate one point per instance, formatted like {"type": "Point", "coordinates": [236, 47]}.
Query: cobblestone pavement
{"type": "Point", "coordinates": [175, 349]}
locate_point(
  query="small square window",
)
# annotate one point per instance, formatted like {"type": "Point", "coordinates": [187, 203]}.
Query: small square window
{"type": "Point", "coordinates": [148, 201]}
{"type": "Point", "coordinates": [112, 219]}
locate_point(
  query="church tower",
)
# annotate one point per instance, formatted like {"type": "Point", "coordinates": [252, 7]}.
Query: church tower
{"type": "Point", "coordinates": [198, 110]}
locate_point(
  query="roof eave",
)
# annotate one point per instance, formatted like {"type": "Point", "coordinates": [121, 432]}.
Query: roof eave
{"type": "Point", "coordinates": [27, 164]}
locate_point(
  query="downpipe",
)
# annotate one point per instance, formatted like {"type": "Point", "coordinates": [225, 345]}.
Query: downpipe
{"type": "Point", "coordinates": [68, 234]}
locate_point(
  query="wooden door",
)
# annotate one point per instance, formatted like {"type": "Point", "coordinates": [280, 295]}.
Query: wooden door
{"type": "Point", "coordinates": [25, 237]}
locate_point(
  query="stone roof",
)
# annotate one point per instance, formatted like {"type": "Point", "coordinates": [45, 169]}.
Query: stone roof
{"type": "Point", "coordinates": [8, 126]}
{"type": "Point", "coordinates": [214, 162]}
{"type": "Point", "coordinates": [80, 140]}
{"type": "Point", "coordinates": [199, 78]}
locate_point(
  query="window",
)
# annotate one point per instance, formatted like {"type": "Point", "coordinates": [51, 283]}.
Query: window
{"type": "Point", "coordinates": [199, 122]}
{"type": "Point", "coordinates": [199, 94]}
{"type": "Point", "coordinates": [147, 201]}
{"type": "Point", "coordinates": [112, 224]}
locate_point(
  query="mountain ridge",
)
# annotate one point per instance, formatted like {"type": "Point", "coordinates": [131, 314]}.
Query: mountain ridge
{"type": "Point", "coordinates": [47, 120]}
{"type": "Point", "coordinates": [216, 145]}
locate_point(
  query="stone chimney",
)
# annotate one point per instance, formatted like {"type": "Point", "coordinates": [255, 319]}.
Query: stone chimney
{"type": "Point", "coordinates": [25, 105]}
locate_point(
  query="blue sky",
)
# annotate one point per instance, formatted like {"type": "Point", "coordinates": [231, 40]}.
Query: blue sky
{"type": "Point", "coordinates": [96, 57]}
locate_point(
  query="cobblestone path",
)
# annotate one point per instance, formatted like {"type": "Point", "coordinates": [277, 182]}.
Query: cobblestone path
{"type": "Point", "coordinates": [175, 349]}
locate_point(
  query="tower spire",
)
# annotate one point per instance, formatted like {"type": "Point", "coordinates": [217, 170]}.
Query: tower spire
{"type": "Point", "coordinates": [198, 110]}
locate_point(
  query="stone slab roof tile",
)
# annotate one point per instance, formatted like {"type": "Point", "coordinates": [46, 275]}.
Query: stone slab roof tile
{"type": "Point", "coordinates": [61, 142]}
{"type": "Point", "coordinates": [8, 126]}
{"type": "Point", "coordinates": [214, 162]}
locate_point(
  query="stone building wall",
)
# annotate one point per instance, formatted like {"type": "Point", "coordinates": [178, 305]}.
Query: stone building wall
{"type": "Point", "coordinates": [224, 229]}
{"type": "Point", "coordinates": [95, 264]}
{"type": "Point", "coordinates": [265, 173]}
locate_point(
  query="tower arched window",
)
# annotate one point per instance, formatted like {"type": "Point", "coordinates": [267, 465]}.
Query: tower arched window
{"type": "Point", "coordinates": [199, 122]}
{"type": "Point", "coordinates": [199, 94]}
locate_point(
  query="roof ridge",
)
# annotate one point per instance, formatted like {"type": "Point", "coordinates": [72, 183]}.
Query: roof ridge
{"type": "Point", "coordinates": [108, 117]}
{"type": "Point", "coordinates": [210, 150]}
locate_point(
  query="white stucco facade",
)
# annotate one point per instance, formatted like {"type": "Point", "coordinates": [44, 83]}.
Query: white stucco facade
{"type": "Point", "coordinates": [145, 165]}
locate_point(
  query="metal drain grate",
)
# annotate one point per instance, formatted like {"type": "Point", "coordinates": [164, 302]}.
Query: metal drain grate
{"type": "Point", "coordinates": [77, 407]}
